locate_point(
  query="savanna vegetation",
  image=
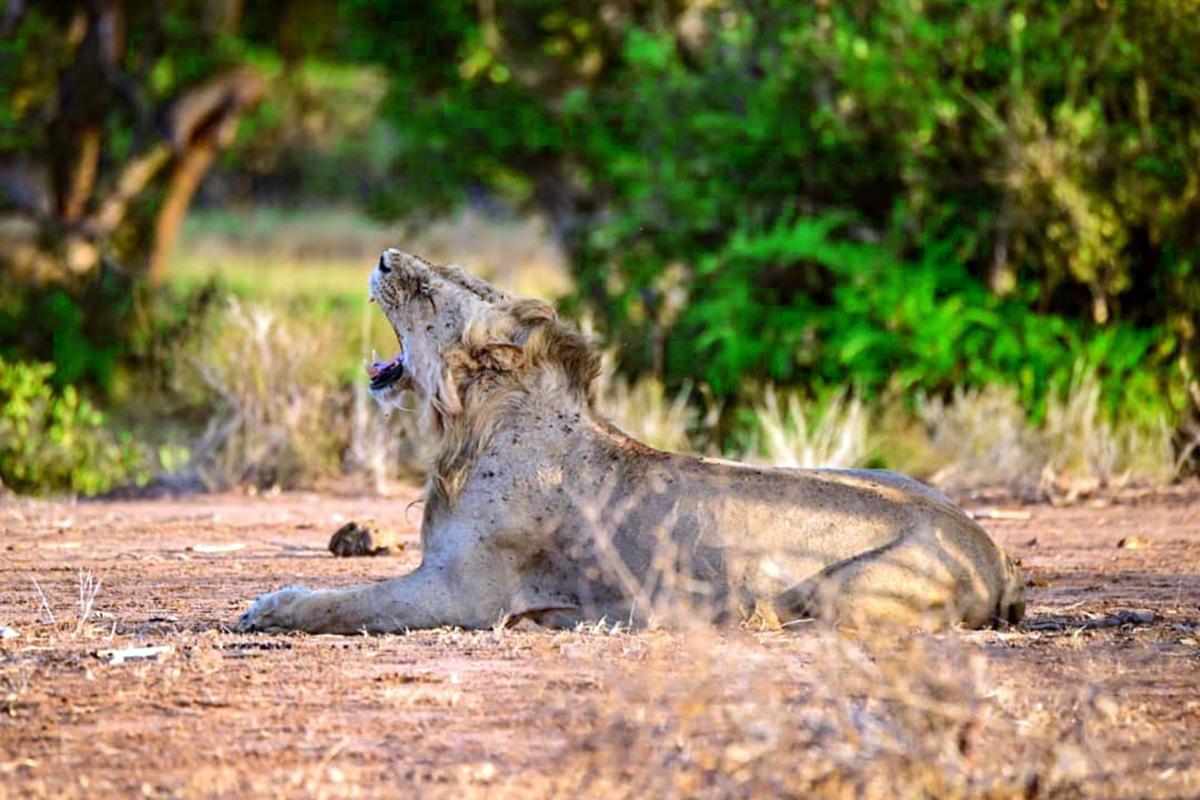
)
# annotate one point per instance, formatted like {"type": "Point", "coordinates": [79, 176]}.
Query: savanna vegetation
{"type": "Point", "coordinates": [957, 239]}
{"type": "Point", "coordinates": [954, 239]}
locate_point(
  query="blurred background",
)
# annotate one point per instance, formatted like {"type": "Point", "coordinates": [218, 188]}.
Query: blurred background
{"type": "Point", "coordinates": [960, 240]}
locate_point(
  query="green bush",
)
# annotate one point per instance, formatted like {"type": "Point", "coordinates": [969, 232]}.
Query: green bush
{"type": "Point", "coordinates": [56, 441]}
{"type": "Point", "coordinates": [930, 193]}
{"type": "Point", "coordinates": [105, 332]}
{"type": "Point", "coordinates": [852, 312]}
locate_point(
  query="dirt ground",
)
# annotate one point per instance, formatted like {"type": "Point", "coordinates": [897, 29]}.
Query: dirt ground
{"type": "Point", "coordinates": [1108, 661]}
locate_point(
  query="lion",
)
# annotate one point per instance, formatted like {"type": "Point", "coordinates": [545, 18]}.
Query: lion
{"type": "Point", "coordinates": [538, 508]}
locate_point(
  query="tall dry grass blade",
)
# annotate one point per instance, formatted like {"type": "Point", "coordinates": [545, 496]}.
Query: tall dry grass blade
{"type": "Point", "coordinates": [281, 417]}
{"type": "Point", "coordinates": [796, 433]}
{"type": "Point", "coordinates": [1087, 449]}
{"type": "Point", "coordinates": [89, 587]}
{"type": "Point", "coordinates": [45, 603]}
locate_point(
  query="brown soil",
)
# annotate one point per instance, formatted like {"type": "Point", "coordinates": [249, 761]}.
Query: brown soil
{"type": "Point", "coordinates": [1108, 659]}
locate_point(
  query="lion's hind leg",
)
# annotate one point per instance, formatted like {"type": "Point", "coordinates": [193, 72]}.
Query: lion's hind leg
{"type": "Point", "coordinates": [911, 581]}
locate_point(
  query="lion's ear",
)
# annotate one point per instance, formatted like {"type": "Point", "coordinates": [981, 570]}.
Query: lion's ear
{"type": "Point", "coordinates": [528, 311]}
{"type": "Point", "coordinates": [501, 356]}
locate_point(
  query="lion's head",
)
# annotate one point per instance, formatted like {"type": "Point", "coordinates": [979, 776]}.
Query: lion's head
{"type": "Point", "coordinates": [429, 307]}
{"type": "Point", "coordinates": [467, 348]}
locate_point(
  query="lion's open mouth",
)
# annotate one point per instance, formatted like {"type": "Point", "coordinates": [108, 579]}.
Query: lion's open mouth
{"type": "Point", "coordinates": [384, 373]}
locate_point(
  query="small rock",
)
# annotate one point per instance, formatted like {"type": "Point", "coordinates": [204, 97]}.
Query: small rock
{"type": "Point", "coordinates": [1133, 543]}
{"type": "Point", "coordinates": [231, 547]}
{"type": "Point", "coordinates": [8, 633]}
{"type": "Point", "coordinates": [353, 539]}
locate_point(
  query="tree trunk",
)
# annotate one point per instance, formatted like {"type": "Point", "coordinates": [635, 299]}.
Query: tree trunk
{"type": "Point", "coordinates": [82, 176]}
{"type": "Point", "coordinates": [87, 199]}
{"type": "Point", "coordinates": [204, 122]}
{"type": "Point", "coordinates": [189, 170]}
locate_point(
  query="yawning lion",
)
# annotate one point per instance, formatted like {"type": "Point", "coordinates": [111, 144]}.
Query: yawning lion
{"type": "Point", "coordinates": [539, 508]}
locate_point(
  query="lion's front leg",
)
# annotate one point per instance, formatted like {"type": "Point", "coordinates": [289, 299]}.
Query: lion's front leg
{"type": "Point", "coordinates": [425, 598]}
{"type": "Point", "coordinates": [275, 611]}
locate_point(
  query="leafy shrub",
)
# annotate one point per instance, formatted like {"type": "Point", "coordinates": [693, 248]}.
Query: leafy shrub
{"type": "Point", "coordinates": [851, 312]}
{"type": "Point", "coordinates": [938, 194]}
{"type": "Point", "coordinates": [56, 441]}
{"type": "Point", "coordinates": [83, 333]}
{"type": "Point", "coordinates": [103, 330]}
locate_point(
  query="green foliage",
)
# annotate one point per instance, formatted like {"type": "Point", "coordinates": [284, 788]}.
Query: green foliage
{"type": "Point", "coordinates": [101, 331]}
{"type": "Point", "coordinates": [901, 196]}
{"type": "Point", "coordinates": [852, 312]}
{"type": "Point", "coordinates": [56, 441]}
{"type": "Point", "coordinates": [82, 334]}
{"type": "Point", "coordinates": [923, 193]}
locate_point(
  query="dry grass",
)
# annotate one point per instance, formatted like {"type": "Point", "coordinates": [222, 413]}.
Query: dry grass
{"type": "Point", "coordinates": [984, 438]}
{"type": "Point", "coordinates": [977, 438]}
{"type": "Point", "coordinates": [279, 419]}
{"type": "Point", "coordinates": [289, 405]}
{"type": "Point", "coordinates": [980, 437]}
{"type": "Point", "coordinates": [918, 717]}
{"type": "Point", "coordinates": [1085, 449]}
{"type": "Point", "coordinates": [1053, 709]}
{"type": "Point", "coordinates": [83, 612]}
{"type": "Point", "coordinates": [794, 432]}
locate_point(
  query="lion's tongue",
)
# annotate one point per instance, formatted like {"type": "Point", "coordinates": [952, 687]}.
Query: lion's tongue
{"type": "Point", "coordinates": [374, 368]}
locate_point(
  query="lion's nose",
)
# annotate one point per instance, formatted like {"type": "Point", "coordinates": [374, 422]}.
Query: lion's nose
{"type": "Point", "coordinates": [383, 267]}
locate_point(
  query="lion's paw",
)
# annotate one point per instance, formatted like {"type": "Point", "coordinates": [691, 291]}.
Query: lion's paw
{"type": "Point", "coordinates": [273, 612]}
